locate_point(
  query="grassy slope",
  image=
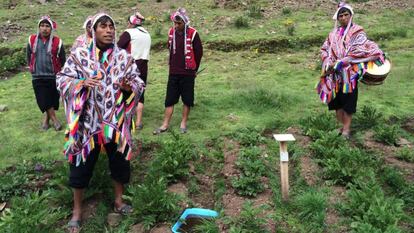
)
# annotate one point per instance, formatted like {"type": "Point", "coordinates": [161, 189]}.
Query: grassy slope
{"type": "Point", "coordinates": [288, 75]}
{"type": "Point", "coordinates": [237, 89]}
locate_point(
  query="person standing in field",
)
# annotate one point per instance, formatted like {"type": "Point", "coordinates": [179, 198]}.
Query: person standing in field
{"type": "Point", "coordinates": [186, 52]}
{"type": "Point", "coordinates": [137, 41]}
{"type": "Point", "coordinates": [46, 56]}
{"type": "Point", "coordinates": [85, 39]}
{"type": "Point", "coordinates": [100, 86]}
{"type": "Point", "coordinates": [343, 54]}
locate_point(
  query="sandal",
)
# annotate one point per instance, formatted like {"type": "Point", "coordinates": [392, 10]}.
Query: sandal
{"type": "Point", "coordinates": [159, 131]}
{"type": "Point", "coordinates": [74, 226]}
{"type": "Point", "coordinates": [124, 210]}
{"type": "Point", "coordinates": [57, 126]}
{"type": "Point", "coordinates": [45, 127]}
{"type": "Point", "coordinates": [183, 130]}
{"type": "Point", "coordinates": [140, 126]}
{"type": "Point", "coordinates": [346, 136]}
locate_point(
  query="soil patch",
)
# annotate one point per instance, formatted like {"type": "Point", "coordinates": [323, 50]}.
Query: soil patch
{"type": "Point", "coordinates": [389, 155]}
{"type": "Point", "coordinates": [162, 228]}
{"type": "Point", "coordinates": [409, 125]}
{"type": "Point", "coordinates": [232, 202]}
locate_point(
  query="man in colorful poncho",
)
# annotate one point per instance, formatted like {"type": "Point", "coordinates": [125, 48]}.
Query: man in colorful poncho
{"type": "Point", "coordinates": [343, 56]}
{"type": "Point", "coordinates": [46, 56]}
{"type": "Point", "coordinates": [185, 56]}
{"type": "Point", "coordinates": [137, 41]}
{"type": "Point", "coordinates": [100, 87]}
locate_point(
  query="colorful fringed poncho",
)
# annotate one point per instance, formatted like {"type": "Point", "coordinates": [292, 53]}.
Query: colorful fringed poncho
{"type": "Point", "coordinates": [348, 50]}
{"type": "Point", "coordinates": [99, 114]}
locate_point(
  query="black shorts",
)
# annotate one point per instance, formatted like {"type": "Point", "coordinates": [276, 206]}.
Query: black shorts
{"type": "Point", "coordinates": [143, 70]}
{"type": "Point", "coordinates": [347, 102]}
{"type": "Point", "coordinates": [47, 95]}
{"type": "Point", "coordinates": [180, 86]}
{"type": "Point", "coordinates": [120, 167]}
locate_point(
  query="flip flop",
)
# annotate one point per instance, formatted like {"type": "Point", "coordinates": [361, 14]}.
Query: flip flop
{"type": "Point", "coordinates": [74, 226]}
{"type": "Point", "coordinates": [57, 126]}
{"type": "Point", "coordinates": [183, 130]}
{"type": "Point", "coordinates": [124, 210]}
{"type": "Point", "coordinates": [140, 126]}
{"type": "Point", "coordinates": [159, 131]}
{"type": "Point", "coordinates": [45, 127]}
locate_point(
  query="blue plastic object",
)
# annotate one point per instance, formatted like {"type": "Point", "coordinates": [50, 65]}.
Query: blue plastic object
{"type": "Point", "coordinates": [193, 213]}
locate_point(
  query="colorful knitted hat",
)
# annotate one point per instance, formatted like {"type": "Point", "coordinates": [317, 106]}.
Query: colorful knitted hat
{"type": "Point", "coordinates": [53, 25]}
{"type": "Point", "coordinates": [136, 19]}
{"type": "Point", "coordinates": [181, 12]}
{"type": "Point", "coordinates": [49, 20]}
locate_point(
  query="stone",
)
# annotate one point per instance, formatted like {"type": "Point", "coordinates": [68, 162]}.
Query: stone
{"type": "Point", "coordinates": [137, 228]}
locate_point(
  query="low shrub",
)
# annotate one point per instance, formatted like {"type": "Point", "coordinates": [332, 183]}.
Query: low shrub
{"type": "Point", "coordinates": [368, 118]}
{"type": "Point", "coordinates": [406, 154]}
{"type": "Point", "coordinates": [345, 165]}
{"type": "Point", "coordinates": [13, 62]}
{"type": "Point", "coordinates": [248, 220]}
{"type": "Point", "coordinates": [152, 202]}
{"type": "Point", "coordinates": [326, 144]}
{"type": "Point", "coordinates": [31, 213]}
{"type": "Point", "coordinates": [387, 134]}
{"type": "Point", "coordinates": [241, 22]}
{"type": "Point", "coordinates": [252, 169]}
{"type": "Point", "coordinates": [254, 11]}
{"type": "Point", "coordinates": [171, 161]}
{"type": "Point", "coordinates": [316, 126]}
{"type": "Point", "coordinates": [248, 136]}
{"type": "Point", "coordinates": [312, 210]}
{"type": "Point", "coordinates": [370, 208]}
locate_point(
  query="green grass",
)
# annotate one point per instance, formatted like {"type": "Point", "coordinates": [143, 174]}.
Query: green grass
{"type": "Point", "coordinates": [266, 82]}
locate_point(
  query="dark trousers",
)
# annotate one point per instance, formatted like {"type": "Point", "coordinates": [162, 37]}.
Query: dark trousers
{"type": "Point", "coordinates": [120, 168]}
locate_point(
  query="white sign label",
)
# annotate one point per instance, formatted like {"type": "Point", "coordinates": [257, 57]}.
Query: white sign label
{"type": "Point", "coordinates": [284, 156]}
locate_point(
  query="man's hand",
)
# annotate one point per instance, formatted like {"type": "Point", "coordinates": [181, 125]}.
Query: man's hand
{"type": "Point", "coordinates": [89, 82]}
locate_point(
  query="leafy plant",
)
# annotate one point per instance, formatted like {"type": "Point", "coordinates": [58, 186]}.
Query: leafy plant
{"type": "Point", "coordinates": [406, 154]}
{"type": "Point", "coordinates": [248, 220]}
{"type": "Point", "coordinates": [386, 134]}
{"type": "Point", "coordinates": [25, 177]}
{"type": "Point", "coordinates": [241, 22]}
{"type": "Point", "coordinates": [207, 226]}
{"type": "Point", "coordinates": [172, 159]}
{"type": "Point", "coordinates": [31, 213]}
{"type": "Point", "coordinates": [286, 10]}
{"type": "Point", "coordinates": [254, 11]}
{"type": "Point", "coordinates": [316, 126]}
{"type": "Point", "coordinates": [248, 185]}
{"type": "Point", "coordinates": [290, 27]}
{"type": "Point", "coordinates": [152, 202]}
{"type": "Point", "coordinates": [345, 165]}
{"type": "Point", "coordinates": [13, 62]}
{"type": "Point", "coordinates": [369, 207]}
{"type": "Point", "coordinates": [248, 136]}
{"type": "Point", "coordinates": [368, 118]}
{"type": "Point", "coordinates": [324, 147]}
{"type": "Point", "coordinates": [312, 210]}
{"type": "Point", "coordinates": [252, 169]}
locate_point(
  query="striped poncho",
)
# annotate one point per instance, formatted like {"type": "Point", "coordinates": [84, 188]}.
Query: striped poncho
{"type": "Point", "coordinates": [348, 50]}
{"type": "Point", "coordinates": [100, 114]}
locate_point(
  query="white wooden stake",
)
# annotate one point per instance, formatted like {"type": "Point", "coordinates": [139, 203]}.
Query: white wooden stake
{"type": "Point", "coordinates": [284, 162]}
